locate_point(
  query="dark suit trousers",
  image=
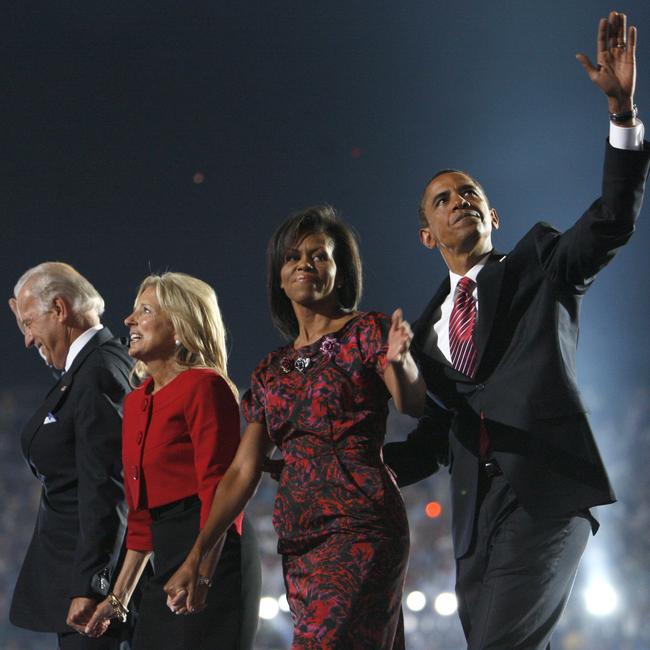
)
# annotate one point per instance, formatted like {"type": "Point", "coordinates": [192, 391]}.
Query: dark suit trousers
{"type": "Point", "coordinates": [75, 641]}
{"type": "Point", "coordinates": [515, 581]}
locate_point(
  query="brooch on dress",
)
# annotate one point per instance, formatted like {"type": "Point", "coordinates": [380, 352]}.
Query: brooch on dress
{"type": "Point", "coordinates": [329, 347]}
{"type": "Point", "coordinates": [299, 363]}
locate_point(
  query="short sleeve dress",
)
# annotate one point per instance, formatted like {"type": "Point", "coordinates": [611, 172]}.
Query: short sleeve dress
{"type": "Point", "coordinates": [340, 518]}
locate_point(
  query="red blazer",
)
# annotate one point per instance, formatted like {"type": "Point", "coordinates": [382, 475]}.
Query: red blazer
{"type": "Point", "coordinates": [176, 443]}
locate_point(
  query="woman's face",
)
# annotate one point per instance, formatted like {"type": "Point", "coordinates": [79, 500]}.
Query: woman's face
{"type": "Point", "coordinates": [150, 330]}
{"type": "Point", "coordinates": [309, 274]}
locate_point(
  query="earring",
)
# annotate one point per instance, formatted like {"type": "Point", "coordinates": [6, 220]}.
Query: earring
{"type": "Point", "coordinates": [177, 343]}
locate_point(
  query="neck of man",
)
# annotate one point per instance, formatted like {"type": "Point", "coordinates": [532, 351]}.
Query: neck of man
{"type": "Point", "coordinates": [461, 261]}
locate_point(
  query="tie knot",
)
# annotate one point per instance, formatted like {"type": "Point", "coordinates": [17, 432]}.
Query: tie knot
{"type": "Point", "coordinates": [466, 285]}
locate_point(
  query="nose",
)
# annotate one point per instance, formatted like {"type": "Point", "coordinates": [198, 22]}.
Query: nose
{"type": "Point", "coordinates": [463, 200]}
{"type": "Point", "coordinates": [29, 338]}
{"type": "Point", "coordinates": [305, 264]}
{"type": "Point", "coordinates": [129, 320]}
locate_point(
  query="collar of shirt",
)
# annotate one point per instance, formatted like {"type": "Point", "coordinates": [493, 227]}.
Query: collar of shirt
{"type": "Point", "coordinates": [472, 274]}
{"type": "Point", "coordinates": [78, 344]}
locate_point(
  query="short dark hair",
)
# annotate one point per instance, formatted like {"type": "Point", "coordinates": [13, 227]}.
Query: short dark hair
{"type": "Point", "coordinates": [423, 217]}
{"type": "Point", "coordinates": [310, 221]}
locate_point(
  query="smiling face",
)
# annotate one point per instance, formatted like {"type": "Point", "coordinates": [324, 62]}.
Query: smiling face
{"type": "Point", "coordinates": [150, 330]}
{"type": "Point", "coordinates": [309, 273]}
{"type": "Point", "coordinates": [458, 216]}
{"type": "Point", "coordinates": [43, 329]}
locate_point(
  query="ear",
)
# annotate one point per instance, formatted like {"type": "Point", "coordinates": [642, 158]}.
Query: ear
{"type": "Point", "coordinates": [427, 239]}
{"type": "Point", "coordinates": [494, 219]}
{"type": "Point", "coordinates": [61, 309]}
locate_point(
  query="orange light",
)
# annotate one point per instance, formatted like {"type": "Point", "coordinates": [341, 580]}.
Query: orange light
{"type": "Point", "coordinates": [198, 178]}
{"type": "Point", "coordinates": [356, 152]}
{"type": "Point", "coordinates": [433, 509]}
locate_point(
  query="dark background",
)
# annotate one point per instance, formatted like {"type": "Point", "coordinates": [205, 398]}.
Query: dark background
{"type": "Point", "coordinates": [110, 110]}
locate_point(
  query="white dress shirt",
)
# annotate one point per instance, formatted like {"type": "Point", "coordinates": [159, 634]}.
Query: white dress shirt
{"type": "Point", "coordinates": [620, 137]}
{"type": "Point", "coordinates": [77, 345]}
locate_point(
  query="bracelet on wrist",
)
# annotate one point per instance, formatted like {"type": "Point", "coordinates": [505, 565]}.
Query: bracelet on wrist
{"type": "Point", "coordinates": [121, 612]}
{"type": "Point", "coordinates": [624, 117]}
{"type": "Point", "coordinates": [204, 580]}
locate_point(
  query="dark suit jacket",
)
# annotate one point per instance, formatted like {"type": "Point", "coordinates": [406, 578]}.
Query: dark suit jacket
{"type": "Point", "coordinates": [525, 384]}
{"type": "Point", "coordinates": [76, 456]}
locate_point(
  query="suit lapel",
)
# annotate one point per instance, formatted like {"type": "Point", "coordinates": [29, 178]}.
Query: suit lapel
{"type": "Point", "coordinates": [489, 289]}
{"type": "Point", "coordinates": [422, 327]}
{"type": "Point", "coordinates": [59, 391]}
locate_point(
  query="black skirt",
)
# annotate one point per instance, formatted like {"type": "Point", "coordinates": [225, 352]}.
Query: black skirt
{"type": "Point", "coordinates": [230, 618]}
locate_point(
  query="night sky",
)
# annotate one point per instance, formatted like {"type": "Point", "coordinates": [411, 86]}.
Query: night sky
{"type": "Point", "coordinates": [151, 136]}
{"type": "Point", "coordinates": [114, 111]}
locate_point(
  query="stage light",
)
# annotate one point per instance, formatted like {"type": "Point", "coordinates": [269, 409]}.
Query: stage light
{"type": "Point", "coordinates": [198, 178]}
{"type": "Point", "coordinates": [416, 601]}
{"type": "Point", "coordinates": [433, 509]}
{"type": "Point", "coordinates": [445, 603]}
{"type": "Point", "coordinates": [269, 607]}
{"type": "Point", "coordinates": [601, 598]}
{"type": "Point", "coordinates": [283, 604]}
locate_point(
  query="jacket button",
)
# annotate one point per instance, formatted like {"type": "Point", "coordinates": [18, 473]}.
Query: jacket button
{"type": "Point", "coordinates": [139, 437]}
{"type": "Point", "coordinates": [135, 473]}
{"type": "Point", "coordinates": [480, 386]}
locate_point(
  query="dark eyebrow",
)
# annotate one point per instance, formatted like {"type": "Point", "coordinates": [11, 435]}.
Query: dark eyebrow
{"type": "Point", "coordinates": [440, 195]}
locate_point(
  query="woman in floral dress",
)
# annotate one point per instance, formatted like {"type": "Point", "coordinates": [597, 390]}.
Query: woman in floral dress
{"type": "Point", "coordinates": [323, 401]}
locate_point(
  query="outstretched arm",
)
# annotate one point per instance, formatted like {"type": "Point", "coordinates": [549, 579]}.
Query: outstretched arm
{"type": "Point", "coordinates": [615, 69]}
{"type": "Point", "coordinates": [402, 376]}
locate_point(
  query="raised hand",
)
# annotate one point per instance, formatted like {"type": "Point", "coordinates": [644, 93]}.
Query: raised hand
{"type": "Point", "coordinates": [399, 338]}
{"type": "Point", "coordinates": [615, 70]}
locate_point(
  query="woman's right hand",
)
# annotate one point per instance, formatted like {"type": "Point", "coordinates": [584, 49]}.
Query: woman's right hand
{"type": "Point", "coordinates": [100, 620]}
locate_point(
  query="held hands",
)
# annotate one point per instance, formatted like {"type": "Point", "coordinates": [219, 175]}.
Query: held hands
{"type": "Point", "coordinates": [186, 590]}
{"type": "Point", "coordinates": [615, 70]}
{"type": "Point", "coordinates": [100, 620]}
{"type": "Point", "coordinates": [399, 339]}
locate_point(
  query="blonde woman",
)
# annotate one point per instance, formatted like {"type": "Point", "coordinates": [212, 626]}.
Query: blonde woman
{"type": "Point", "coordinates": [180, 434]}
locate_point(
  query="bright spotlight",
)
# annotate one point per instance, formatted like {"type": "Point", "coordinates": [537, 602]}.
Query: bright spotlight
{"type": "Point", "coordinates": [601, 598]}
{"type": "Point", "coordinates": [269, 607]}
{"type": "Point", "coordinates": [416, 601]}
{"type": "Point", "coordinates": [445, 603]}
{"type": "Point", "coordinates": [283, 604]}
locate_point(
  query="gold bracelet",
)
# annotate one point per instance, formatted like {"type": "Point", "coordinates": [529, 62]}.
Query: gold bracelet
{"type": "Point", "coordinates": [119, 610]}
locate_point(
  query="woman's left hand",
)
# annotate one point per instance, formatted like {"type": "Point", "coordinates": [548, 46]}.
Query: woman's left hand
{"type": "Point", "coordinates": [399, 338]}
{"type": "Point", "coordinates": [185, 593]}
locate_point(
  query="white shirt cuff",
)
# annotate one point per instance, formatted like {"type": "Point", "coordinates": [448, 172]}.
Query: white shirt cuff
{"type": "Point", "coordinates": [626, 137]}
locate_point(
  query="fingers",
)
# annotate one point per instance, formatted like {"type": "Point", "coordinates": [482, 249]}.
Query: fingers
{"type": "Point", "coordinates": [97, 625]}
{"type": "Point", "coordinates": [177, 602]}
{"type": "Point", "coordinates": [586, 63]}
{"type": "Point", "coordinates": [631, 42]}
{"type": "Point", "coordinates": [601, 41]}
{"type": "Point", "coordinates": [396, 319]}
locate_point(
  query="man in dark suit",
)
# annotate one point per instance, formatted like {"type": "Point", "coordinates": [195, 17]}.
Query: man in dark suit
{"type": "Point", "coordinates": [497, 347]}
{"type": "Point", "coordinates": [72, 445]}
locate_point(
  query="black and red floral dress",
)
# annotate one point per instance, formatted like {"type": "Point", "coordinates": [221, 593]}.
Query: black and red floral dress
{"type": "Point", "coordinates": [340, 518]}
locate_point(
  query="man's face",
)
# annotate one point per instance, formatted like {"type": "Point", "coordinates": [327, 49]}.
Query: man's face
{"type": "Point", "coordinates": [43, 329]}
{"type": "Point", "coordinates": [458, 216]}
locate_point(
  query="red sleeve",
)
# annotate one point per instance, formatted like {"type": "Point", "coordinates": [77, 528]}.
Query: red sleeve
{"type": "Point", "coordinates": [212, 418]}
{"type": "Point", "coordinates": [138, 533]}
{"type": "Point", "coordinates": [253, 402]}
{"type": "Point", "coordinates": [373, 340]}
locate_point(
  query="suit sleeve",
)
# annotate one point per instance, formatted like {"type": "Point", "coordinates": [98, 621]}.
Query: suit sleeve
{"type": "Point", "coordinates": [98, 426]}
{"type": "Point", "coordinates": [425, 449]}
{"type": "Point", "coordinates": [212, 417]}
{"type": "Point", "coordinates": [573, 259]}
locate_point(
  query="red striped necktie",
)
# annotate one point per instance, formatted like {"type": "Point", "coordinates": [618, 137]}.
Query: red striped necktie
{"type": "Point", "coordinates": [461, 328]}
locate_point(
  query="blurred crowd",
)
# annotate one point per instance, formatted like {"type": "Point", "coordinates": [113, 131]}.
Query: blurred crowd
{"type": "Point", "coordinates": [618, 556]}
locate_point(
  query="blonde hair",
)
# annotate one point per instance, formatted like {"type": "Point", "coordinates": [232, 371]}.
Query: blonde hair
{"type": "Point", "coordinates": [49, 280]}
{"type": "Point", "coordinates": [193, 309]}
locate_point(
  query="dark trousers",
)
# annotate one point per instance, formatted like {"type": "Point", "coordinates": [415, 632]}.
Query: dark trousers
{"type": "Point", "coordinates": [514, 583]}
{"type": "Point", "coordinates": [75, 641]}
